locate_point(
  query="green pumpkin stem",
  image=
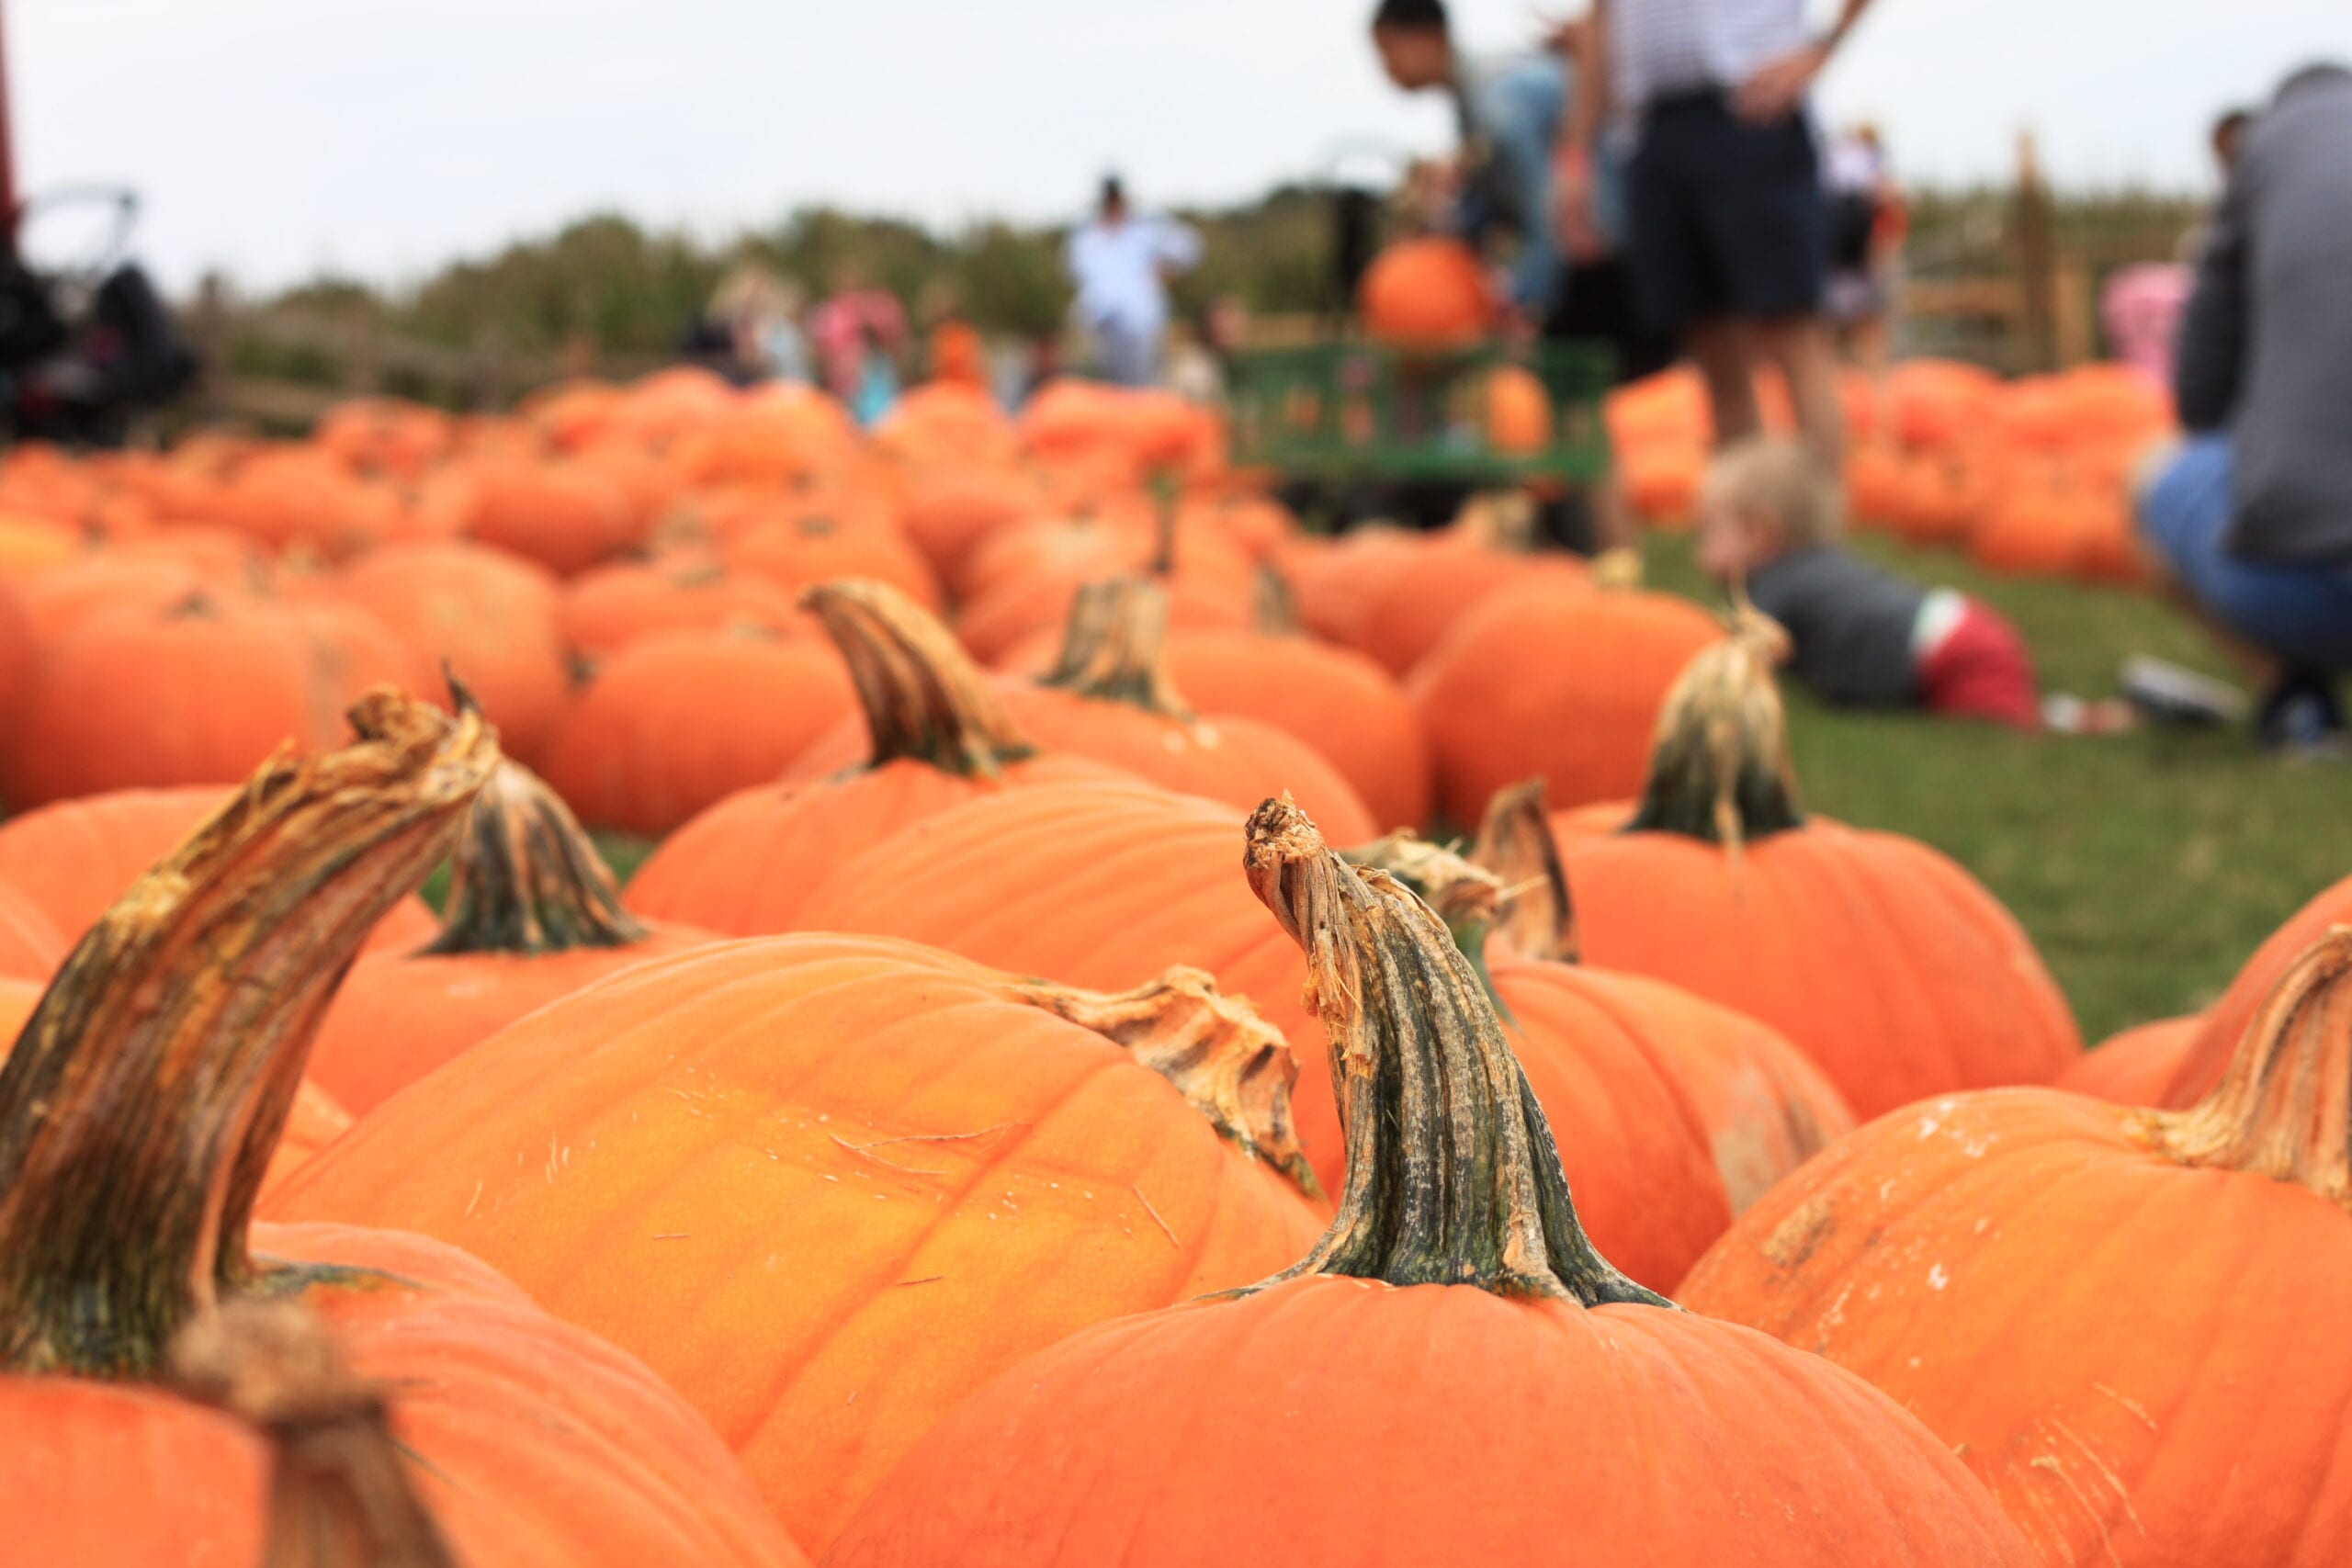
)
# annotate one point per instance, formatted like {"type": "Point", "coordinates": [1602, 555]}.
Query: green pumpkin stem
{"type": "Point", "coordinates": [1719, 770]}
{"type": "Point", "coordinates": [1274, 608]}
{"type": "Point", "coordinates": [1452, 1176]}
{"type": "Point", "coordinates": [1232, 1066]}
{"type": "Point", "coordinates": [340, 1494]}
{"type": "Point", "coordinates": [524, 877]}
{"type": "Point", "coordinates": [142, 1104]}
{"type": "Point", "coordinates": [2283, 1107]}
{"type": "Point", "coordinates": [1537, 915]}
{"type": "Point", "coordinates": [1115, 648]}
{"type": "Point", "coordinates": [923, 698]}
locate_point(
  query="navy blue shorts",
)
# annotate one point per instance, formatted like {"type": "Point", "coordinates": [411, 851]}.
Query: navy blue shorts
{"type": "Point", "coordinates": [1726, 217]}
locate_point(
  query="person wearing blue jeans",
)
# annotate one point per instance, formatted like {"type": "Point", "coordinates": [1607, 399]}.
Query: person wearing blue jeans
{"type": "Point", "coordinates": [2249, 521]}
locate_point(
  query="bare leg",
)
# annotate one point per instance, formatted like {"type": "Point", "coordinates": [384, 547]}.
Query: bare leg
{"type": "Point", "coordinates": [1721, 347]}
{"type": "Point", "coordinates": [1807, 357]}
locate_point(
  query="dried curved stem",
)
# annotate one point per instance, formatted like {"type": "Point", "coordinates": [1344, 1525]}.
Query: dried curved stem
{"type": "Point", "coordinates": [1452, 1176]}
{"type": "Point", "coordinates": [1719, 770]}
{"type": "Point", "coordinates": [1535, 915]}
{"type": "Point", "coordinates": [142, 1104]}
{"type": "Point", "coordinates": [339, 1495]}
{"type": "Point", "coordinates": [1115, 648]}
{"type": "Point", "coordinates": [1234, 1066]}
{"type": "Point", "coordinates": [2283, 1107]}
{"type": "Point", "coordinates": [524, 877]}
{"type": "Point", "coordinates": [923, 698]}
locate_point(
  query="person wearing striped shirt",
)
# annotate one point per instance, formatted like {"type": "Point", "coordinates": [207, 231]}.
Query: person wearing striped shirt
{"type": "Point", "coordinates": [1727, 228]}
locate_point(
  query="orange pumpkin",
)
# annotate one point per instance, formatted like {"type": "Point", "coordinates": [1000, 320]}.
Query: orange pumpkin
{"type": "Point", "coordinates": [1519, 411]}
{"type": "Point", "coordinates": [938, 734]}
{"type": "Point", "coordinates": [532, 915]}
{"type": "Point", "coordinates": [1883, 961]}
{"type": "Point", "coordinates": [604, 610]}
{"type": "Point", "coordinates": [2137, 1067]}
{"type": "Point", "coordinates": [1551, 1411]}
{"type": "Point", "coordinates": [1427, 293]}
{"type": "Point", "coordinates": [1553, 682]}
{"type": "Point", "coordinates": [2225, 1021]}
{"type": "Point", "coordinates": [490, 616]}
{"type": "Point", "coordinates": [71, 860]}
{"type": "Point", "coordinates": [196, 693]}
{"type": "Point", "coordinates": [1347, 709]}
{"type": "Point", "coordinates": [1110, 698]}
{"type": "Point", "coordinates": [30, 946]}
{"type": "Point", "coordinates": [1458, 570]}
{"type": "Point", "coordinates": [677, 722]}
{"type": "Point", "coordinates": [949, 513]}
{"type": "Point", "coordinates": [829, 1185]}
{"type": "Point", "coordinates": [2080, 1298]}
{"type": "Point", "coordinates": [138, 1113]}
{"type": "Point", "coordinates": [797, 548]}
{"type": "Point", "coordinates": [567, 516]}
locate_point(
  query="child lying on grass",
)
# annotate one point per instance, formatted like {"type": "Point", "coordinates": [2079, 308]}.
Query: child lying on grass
{"type": "Point", "coordinates": [1771, 516]}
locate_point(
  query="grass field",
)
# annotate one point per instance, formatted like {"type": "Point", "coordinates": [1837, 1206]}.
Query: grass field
{"type": "Point", "coordinates": [2147, 865]}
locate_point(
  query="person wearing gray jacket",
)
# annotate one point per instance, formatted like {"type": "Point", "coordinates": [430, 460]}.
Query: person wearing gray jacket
{"type": "Point", "coordinates": [2250, 519]}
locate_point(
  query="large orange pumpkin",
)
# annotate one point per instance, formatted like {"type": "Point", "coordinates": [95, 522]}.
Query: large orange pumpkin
{"type": "Point", "coordinates": [490, 616]}
{"type": "Point", "coordinates": [1556, 682]}
{"type": "Point", "coordinates": [1879, 958]}
{"type": "Point", "coordinates": [1339, 702]}
{"type": "Point", "coordinates": [2124, 1321]}
{"type": "Point", "coordinates": [1105, 884]}
{"type": "Point", "coordinates": [567, 516]}
{"type": "Point", "coordinates": [1109, 697]}
{"type": "Point", "coordinates": [2137, 1067]}
{"type": "Point", "coordinates": [2205, 1060]}
{"type": "Point", "coordinates": [532, 915]}
{"type": "Point", "coordinates": [198, 692]}
{"type": "Point", "coordinates": [138, 1113]}
{"type": "Point", "coordinates": [1453, 1375]}
{"type": "Point", "coordinates": [71, 860]}
{"type": "Point", "coordinates": [1427, 293]}
{"type": "Point", "coordinates": [937, 734]}
{"type": "Point", "coordinates": [31, 947]}
{"type": "Point", "coordinates": [604, 610]}
{"type": "Point", "coordinates": [1482, 553]}
{"type": "Point", "coordinates": [828, 1185]}
{"type": "Point", "coordinates": [1766, 1108]}
{"type": "Point", "coordinates": [676, 722]}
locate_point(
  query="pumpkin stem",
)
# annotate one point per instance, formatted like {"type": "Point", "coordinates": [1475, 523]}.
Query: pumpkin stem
{"type": "Point", "coordinates": [339, 1491]}
{"type": "Point", "coordinates": [1115, 648]}
{"type": "Point", "coordinates": [1537, 915]}
{"type": "Point", "coordinates": [524, 878]}
{"type": "Point", "coordinates": [141, 1106]}
{"type": "Point", "coordinates": [925, 700]}
{"type": "Point", "coordinates": [2283, 1107]}
{"type": "Point", "coordinates": [1234, 1066]}
{"type": "Point", "coordinates": [1719, 769]}
{"type": "Point", "coordinates": [1452, 1176]}
{"type": "Point", "coordinates": [1466, 897]}
{"type": "Point", "coordinates": [1274, 608]}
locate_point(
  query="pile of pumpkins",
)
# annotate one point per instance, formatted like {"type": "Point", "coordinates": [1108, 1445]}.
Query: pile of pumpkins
{"type": "Point", "coordinates": [1040, 1102]}
{"type": "Point", "coordinates": [2031, 477]}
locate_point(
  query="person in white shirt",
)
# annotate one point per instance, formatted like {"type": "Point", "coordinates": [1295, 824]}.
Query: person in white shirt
{"type": "Point", "coordinates": [1728, 232]}
{"type": "Point", "coordinates": [1120, 263]}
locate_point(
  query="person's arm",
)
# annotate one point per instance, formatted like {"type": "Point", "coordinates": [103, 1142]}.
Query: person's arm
{"type": "Point", "coordinates": [1579, 148]}
{"type": "Point", "coordinates": [1177, 246]}
{"type": "Point", "coordinates": [2209, 361]}
{"type": "Point", "coordinates": [1777, 88]}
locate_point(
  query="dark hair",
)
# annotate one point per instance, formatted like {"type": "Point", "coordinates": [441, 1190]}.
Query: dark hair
{"type": "Point", "coordinates": [1114, 193]}
{"type": "Point", "coordinates": [2233, 122]}
{"type": "Point", "coordinates": [1411, 16]}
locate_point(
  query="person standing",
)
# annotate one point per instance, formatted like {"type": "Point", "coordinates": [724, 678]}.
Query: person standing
{"type": "Point", "coordinates": [2250, 519]}
{"type": "Point", "coordinates": [1726, 226]}
{"type": "Point", "coordinates": [1120, 263]}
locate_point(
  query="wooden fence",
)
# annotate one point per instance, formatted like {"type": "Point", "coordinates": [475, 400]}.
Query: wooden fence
{"type": "Point", "coordinates": [281, 367]}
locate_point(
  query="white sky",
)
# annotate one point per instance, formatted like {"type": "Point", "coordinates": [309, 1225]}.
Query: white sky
{"type": "Point", "coordinates": [276, 138]}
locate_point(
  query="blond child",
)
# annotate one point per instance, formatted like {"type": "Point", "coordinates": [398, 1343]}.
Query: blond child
{"type": "Point", "coordinates": [1771, 516]}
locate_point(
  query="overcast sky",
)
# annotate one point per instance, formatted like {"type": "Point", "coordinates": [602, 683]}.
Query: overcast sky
{"type": "Point", "coordinates": [277, 137]}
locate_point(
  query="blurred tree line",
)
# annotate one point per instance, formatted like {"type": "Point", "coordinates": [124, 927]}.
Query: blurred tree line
{"type": "Point", "coordinates": [629, 289]}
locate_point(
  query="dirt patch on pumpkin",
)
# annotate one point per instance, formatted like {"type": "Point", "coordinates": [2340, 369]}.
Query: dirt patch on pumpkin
{"type": "Point", "coordinates": [1797, 1237]}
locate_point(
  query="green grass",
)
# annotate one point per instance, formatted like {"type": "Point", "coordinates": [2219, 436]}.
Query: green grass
{"type": "Point", "coordinates": [2146, 865]}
